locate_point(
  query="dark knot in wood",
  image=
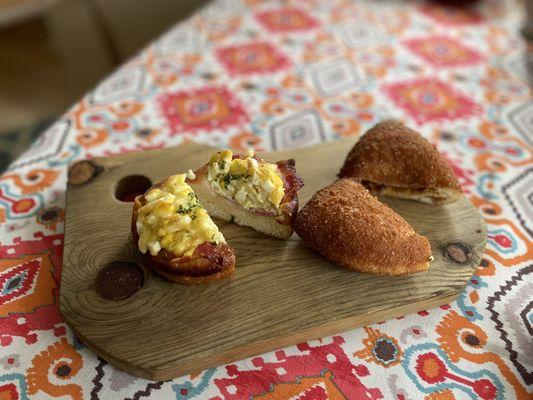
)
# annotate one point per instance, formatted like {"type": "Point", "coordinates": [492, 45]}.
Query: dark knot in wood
{"type": "Point", "coordinates": [83, 171]}
{"type": "Point", "coordinates": [119, 280]}
{"type": "Point", "coordinates": [457, 252]}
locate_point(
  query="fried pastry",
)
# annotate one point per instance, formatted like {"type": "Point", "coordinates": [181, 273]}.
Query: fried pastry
{"type": "Point", "coordinates": [349, 226]}
{"type": "Point", "coordinates": [394, 160]}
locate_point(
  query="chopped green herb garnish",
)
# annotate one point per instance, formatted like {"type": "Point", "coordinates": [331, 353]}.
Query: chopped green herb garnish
{"type": "Point", "coordinates": [192, 205]}
{"type": "Point", "coordinates": [227, 178]}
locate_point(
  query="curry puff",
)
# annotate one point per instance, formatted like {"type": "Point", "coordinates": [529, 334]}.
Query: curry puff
{"type": "Point", "coordinates": [350, 227]}
{"type": "Point", "coordinates": [176, 236]}
{"type": "Point", "coordinates": [250, 191]}
{"type": "Point", "coordinates": [393, 160]}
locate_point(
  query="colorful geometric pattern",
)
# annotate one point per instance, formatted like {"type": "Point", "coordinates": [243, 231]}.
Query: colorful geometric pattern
{"type": "Point", "coordinates": [360, 34]}
{"type": "Point", "coordinates": [13, 387]}
{"type": "Point", "coordinates": [287, 19]}
{"type": "Point", "coordinates": [267, 75]}
{"type": "Point", "coordinates": [252, 58]}
{"type": "Point", "coordinates": [202, 109]}
{"type": "Point", "coordinates": [334, 77]}
{"type": "Point", "coordinates": [512, 312]}
{"type": "Point", "coordinates": [431, 370]}
{"type": "Point", "coordinates": [47, 146]}
{"type": "Point", "coordinates": [519, 194]}
{"type": "Point", "coordinates": [443, 51]}
{"type": "Point", "coordinates": [299, 129]}
{"type": "Point", "coordinates": [17, 282]}
{"type": "Point", "coordinates": [522, 119]}
{"type": "Point", "coordinates": [430, 99]}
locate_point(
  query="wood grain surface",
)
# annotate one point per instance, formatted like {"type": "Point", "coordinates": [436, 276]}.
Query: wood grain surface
{"type": "Point", "coordinates": [281, 294]}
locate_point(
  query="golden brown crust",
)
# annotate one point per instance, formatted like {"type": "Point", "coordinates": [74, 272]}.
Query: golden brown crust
{"type": "Point", "coordinates": [391, 154]}
{"type": "Point", "coordinates": [349, 226]}
{"type": "Point", "coordinates": [209, 261]}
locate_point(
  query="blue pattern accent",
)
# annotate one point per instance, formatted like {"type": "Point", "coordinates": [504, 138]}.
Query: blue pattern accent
{"type": "Point", "coordinates": [187, 390]}
{"type": "Point", "coordinates": [37, 197]}
{"type": "Point", "coordinates": [493, 147]}
{"type": "Point", "coordinates": [75, 151]}
{"type": "Point", "coordinates": [424, 387]}
{"type": "Point", "coordinates": [470, 312]}
{"type": "Point", "coordinates": [481, 186]}
{"type": "Point", "coordinates": [21, 276]}
{"type": "Point", "coordinates": [504, 250]}
{"type": "Point", "coordinates": [19, 381]}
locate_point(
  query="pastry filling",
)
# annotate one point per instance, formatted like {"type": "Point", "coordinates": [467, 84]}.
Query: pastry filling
{"type": "Point", "coordinates": [377, 188]}
{"type": "Point", "coordinates": [254, 184]}
{"type": "Point", "coordinates": [173, 219]}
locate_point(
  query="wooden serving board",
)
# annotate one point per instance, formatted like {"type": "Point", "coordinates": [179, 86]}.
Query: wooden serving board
{"type": "Point", "coordinates": [282, 293]}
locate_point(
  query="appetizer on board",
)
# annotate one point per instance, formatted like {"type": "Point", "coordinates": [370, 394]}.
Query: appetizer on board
{"type": "Point", "coordinates": [396, 161]}
{"type": "Point", "coordinates": [349, 226]}
{"type": "Point", "coordinates": [250, 191]}
{"type": "Point", "coordinates": [177, 237]}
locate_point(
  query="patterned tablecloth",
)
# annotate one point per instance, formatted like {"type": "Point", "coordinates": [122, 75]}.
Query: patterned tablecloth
{"type": "Point", "coordinates": [273, 75]}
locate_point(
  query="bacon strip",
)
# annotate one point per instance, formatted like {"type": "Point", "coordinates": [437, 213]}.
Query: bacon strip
{"type": "Point", "coordinates": [292, 181]}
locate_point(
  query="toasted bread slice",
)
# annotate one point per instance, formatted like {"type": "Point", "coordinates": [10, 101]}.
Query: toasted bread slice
{"type": "Point", "coordinates": [396, 161]}
{"type": "Point", "coordinates": [200, 262]}
{"type": "Point", "coordinates": [268, 218]}
{"type": "Point", "coordinates": [350, 227]}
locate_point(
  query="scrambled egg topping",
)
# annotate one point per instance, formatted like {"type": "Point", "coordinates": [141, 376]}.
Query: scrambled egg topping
{"type": "Point", "coordinates": [174, 219]}
{"type": "Point", "coordinates": [250, 183]}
